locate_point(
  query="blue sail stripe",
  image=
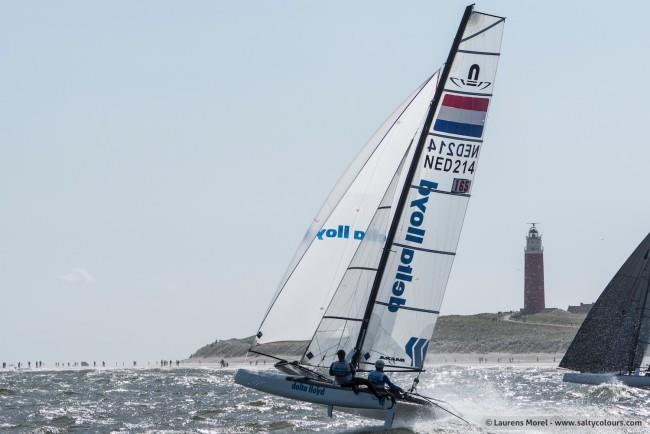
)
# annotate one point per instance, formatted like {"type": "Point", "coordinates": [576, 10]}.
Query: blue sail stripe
{"type": "Point", "coordinates": [409, 348]}
{"type": "Point", "coordinates": [424, 351]}
{"type": "Point", "coordinates": [418, 352]}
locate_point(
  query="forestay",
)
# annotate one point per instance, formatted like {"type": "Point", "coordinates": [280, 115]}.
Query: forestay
{"type": "Point", "coordinates": [423, 249]}
{"type": "Point", "coordinates": [614, 336]}
{"type": "Point", "coordinates": [330, 243]}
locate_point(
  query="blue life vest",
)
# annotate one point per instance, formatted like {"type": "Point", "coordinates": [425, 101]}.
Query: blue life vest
{"type": "Point", "coordinates": [342, 371]}
{"type": "Point", "coordinates": [377, 378]}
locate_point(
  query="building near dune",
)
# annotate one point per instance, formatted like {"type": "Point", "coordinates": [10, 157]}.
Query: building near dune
{"type": "Point", "coordinates": [533, 272]}
{"type": "Point", "coordinates": [582, 308]}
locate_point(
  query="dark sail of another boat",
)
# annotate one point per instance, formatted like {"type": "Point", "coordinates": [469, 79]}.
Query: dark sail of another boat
{"type": "Point", "coordinates": [613, 339]}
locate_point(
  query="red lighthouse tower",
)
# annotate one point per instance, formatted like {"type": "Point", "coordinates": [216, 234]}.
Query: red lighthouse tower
{"type": "Point", "coordinates": [534, 272]}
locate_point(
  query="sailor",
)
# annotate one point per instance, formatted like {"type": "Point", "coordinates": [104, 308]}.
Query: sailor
{"type": "Point", "coordinates": [378, 379]}
{"type": "Point", "coordinates": [341, 370]}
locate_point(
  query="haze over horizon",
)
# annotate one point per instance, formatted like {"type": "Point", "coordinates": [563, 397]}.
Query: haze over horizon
{"type": "Point", "coordinates": [161, 161]}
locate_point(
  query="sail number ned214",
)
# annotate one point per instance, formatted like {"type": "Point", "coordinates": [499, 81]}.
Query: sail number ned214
{"type": "Point", "coordinates": [453, 157]}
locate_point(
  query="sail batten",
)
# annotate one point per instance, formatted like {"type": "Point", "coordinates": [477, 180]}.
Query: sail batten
{"type": "Point", "coordinates": [384, 303]}
{"type": "Point", "coordinates": [422, 249]}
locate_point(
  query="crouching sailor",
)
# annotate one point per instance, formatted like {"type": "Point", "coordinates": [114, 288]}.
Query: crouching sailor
{"type": "Point", "coordinates": [341, 370]}
{"type": "Point", "coordinates": [343, 373]}
{"type": "Point", "coordinates": [378, 379]}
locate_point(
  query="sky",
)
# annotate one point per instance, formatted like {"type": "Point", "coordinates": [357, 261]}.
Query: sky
{"type": "Point", "coordinates": [160, 161]}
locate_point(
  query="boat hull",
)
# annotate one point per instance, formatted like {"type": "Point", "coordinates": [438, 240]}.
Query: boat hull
{"type": "Point", "coordinates": [607, 378]}
{"type": "Point", "coordinates": [363, 404]}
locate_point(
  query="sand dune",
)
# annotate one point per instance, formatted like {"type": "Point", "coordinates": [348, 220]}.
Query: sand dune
{"type": "Point", "coordinates": [505, 334]}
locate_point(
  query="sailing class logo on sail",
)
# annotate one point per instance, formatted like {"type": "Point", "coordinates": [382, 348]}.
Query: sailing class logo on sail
{"type": "Point", "coordinates": [472, 79]}
{"type": "Point", "coordinates": [415, 234]}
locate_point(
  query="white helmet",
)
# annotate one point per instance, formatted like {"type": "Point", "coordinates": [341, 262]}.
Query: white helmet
{"type": "Point", "coordinates": [379, 364]}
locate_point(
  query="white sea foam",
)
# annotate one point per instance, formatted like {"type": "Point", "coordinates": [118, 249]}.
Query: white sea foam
{"type": "Point", "coordinates": [207, 401]}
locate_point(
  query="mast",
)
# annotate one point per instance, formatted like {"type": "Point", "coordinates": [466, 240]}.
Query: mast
{"type": "Point", "coordinates": [637, 333]}
{"type": "Point", "coordinates": [407, 184]}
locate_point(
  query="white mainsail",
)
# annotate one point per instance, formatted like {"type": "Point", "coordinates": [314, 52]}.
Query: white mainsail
{"type": "Point", "coordinates": [423, 249]}
{"type": "Point", "coordinates": [332, 240]}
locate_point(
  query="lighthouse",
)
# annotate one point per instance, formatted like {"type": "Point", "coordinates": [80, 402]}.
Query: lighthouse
{"type": "Point", "coordinates": [534, 272]}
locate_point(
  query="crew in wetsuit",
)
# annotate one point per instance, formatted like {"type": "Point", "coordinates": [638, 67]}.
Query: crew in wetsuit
{"type": "Point", "coordinates": [378, 379]}
{"type": "Point", "coordinates": [342, 371]}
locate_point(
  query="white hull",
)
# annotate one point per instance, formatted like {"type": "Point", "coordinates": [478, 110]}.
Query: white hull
{"type": "Point", "coordinates": [606, 378]}
{"type": "Point", "coordinates": [363, 404]}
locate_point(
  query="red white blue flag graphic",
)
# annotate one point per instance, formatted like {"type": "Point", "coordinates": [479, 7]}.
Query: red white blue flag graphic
{"type": "Point", "coordinates": [462, 115]}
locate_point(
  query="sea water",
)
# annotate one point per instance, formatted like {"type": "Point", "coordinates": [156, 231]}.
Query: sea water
{"type": "Point", "coordinates": [205, 400]}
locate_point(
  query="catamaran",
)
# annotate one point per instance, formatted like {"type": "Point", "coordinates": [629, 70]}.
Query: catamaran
{"type": "Point", "coordinates": [370, 274]}
{"type": "Point", "coordinates": [612, 343]}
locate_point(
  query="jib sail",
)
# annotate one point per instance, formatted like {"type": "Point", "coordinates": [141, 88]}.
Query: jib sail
{"type": "Point", "coordinates": [330, 243]}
